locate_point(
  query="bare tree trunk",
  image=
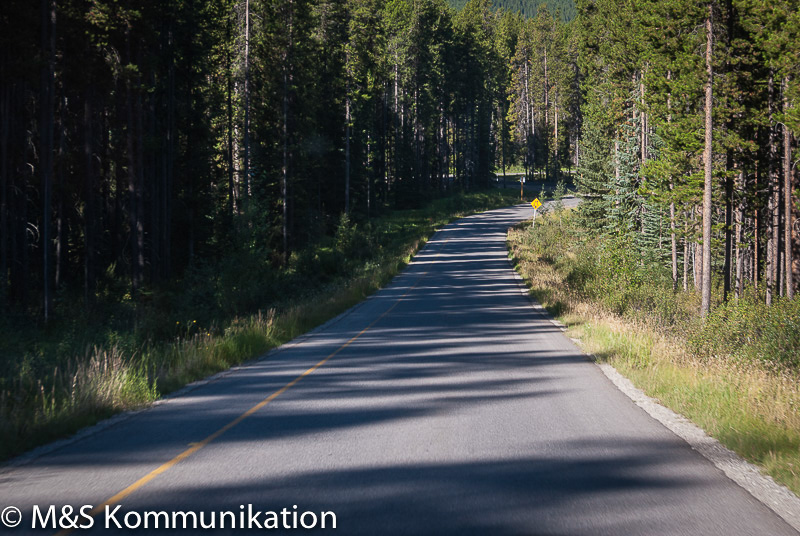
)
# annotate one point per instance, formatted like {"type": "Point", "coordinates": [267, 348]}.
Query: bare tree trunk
{"type": "Point", "coordinates": [229, 118]}
{"type": "Point", "coordinates": [23, 263]}
{"type": "Point", "coordinates": [90, 204]}
{"type": "Point", "coordinates": [686, 254]}
{"type": "Point", "coordinates": [246, 183]}
{"type": "Point", "coordinates": [673, 244]}
{"type": "Point", "coordinates": [503, 146]}
{"type": "Point", "coordinates": [285, 170]}
{"type": "Point", "coordinates": [555, 112]}
{"type": "Point", "coordinates": [728, 260]}
{"type": "Point", "coordinates": [5, 129]}
{"type": "Point", "coordinates": [697, 255]}
{"type": "Point", "coordinates": [529, 123]}
{"type": "Point", "coordinates": [369, 176]}
{"type": "Point", "coordinates": [787, 196]}
{"type": "Point", "coordinates": [705, 307]}
{"type": "Point", "coordinates": [738, 287]}
{"type": "Point", "coordinates": [140, 194]}
{"type": "Point", "coordinates": [546, 117]}
{"type": "Point", "coordinates": [285, 175]}
{"type": "Point", "coordinates": [756, 236]}
{"type": "Point", "coordinates": [133, 175]}
{"type": "Point", "coordinates": [398, 122]}
{"type": "Point", "coordinates": [46, 141]}
{"type": "Point", "coordinates": [166, 203]}
{"type": "Point", "coordinates": [347, 118]}
{"type": "Point", "coordinates": [58, 167]}
{"type": "Point", "coordinates": [773, 210]}
{"type": "Point", "coordinates": [643, 121]}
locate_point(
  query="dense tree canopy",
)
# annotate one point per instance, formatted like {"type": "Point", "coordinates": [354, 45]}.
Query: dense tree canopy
{"type": "Point", "coordinates": [529, 8]}
{"type": "Point", "coordinates": [138, 138]}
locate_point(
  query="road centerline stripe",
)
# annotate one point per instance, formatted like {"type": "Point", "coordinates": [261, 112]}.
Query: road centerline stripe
{"type": "Point", "coordinates": [195, 447]}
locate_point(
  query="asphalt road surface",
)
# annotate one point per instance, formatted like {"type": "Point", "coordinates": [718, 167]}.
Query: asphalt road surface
{"type": "Point", "coordinates": [444, 404]}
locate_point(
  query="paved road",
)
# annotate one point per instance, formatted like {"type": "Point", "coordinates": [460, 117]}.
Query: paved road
{"type": "Point", "coordinates": [455, 408]}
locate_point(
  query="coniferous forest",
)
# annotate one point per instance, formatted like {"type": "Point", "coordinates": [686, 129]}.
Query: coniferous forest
{"type": "Point", "coordinates": [146, 145]}
{"type": "Point", "coordinates": [139, 137]}
{"type": "Point", "coordinates": [688, 138]}
{"type": "Point", "coordinates": [564, 9]}
{"type": "Point", "coordinates": [142, 138]}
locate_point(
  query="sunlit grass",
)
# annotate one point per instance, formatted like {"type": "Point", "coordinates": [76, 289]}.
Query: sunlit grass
{"type": "Point", "coordinates": [752, 407]}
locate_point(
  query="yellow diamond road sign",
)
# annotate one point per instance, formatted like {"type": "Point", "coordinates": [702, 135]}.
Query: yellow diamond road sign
{"type": "Point", "coordinates": [536, 203]}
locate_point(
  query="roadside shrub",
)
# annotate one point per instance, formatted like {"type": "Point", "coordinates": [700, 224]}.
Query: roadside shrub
{"type": "Point", "coordinates": [350, 242]}
{"type": "Point", "coordinates": [751, 330]}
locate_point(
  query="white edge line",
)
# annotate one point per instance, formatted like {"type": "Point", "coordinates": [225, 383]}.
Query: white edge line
{"type": "Point", "coordinates": [763, 488]}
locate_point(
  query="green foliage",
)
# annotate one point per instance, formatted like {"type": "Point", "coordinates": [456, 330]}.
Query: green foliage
{"type": "Point", "coordinates": [749, 330]}
{"type": "Point", "coordinates": [350, 241]}
{"type": "Point", "coordinates": [529, 8]}
{"type": "Point", "coordinates": [610, 273]}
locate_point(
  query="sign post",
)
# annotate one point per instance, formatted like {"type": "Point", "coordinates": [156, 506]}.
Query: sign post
{"type": "Point", "coordinates": [535, 204]}
{"type": "Point", "coordinates": [521, 182]}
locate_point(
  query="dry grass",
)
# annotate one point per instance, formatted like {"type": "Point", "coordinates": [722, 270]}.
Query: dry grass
{"type": "Point", "coordinates": [747, 405]}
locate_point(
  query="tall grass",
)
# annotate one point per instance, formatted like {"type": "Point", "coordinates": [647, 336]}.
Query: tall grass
{"type": "Point", "coordinates": [49, 389]}
{"type": "Point", "coordinates": [736, 374]}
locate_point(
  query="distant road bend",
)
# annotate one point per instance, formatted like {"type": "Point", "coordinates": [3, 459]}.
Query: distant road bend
{"type": "Point", "coordinates": [443, 404]}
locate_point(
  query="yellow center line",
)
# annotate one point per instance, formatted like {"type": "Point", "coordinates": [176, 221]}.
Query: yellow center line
{"type": "Point", "coordinates": [197, 446]}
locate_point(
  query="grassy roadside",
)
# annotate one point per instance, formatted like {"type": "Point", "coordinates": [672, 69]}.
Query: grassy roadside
{"type": "Point", "coordinates": [735, 375]}
{"type": "Point", "coordinates": [53, 392]}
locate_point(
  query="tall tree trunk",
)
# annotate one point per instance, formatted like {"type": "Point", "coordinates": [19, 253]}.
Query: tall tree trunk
{"type": "Point", "coordinates": [773, 206]}
{"type": "Point", "coordinates": [529, 133]}
{"type": "Point", "coordinates": [5, 129]}
{"type": "Point", "coordinates": [229, 121]}
{"type": "Point", "coordinates": [287, 66]}
{"type": "Point", "coordinates": [556, 164]}
{"type": "Point", "coordinates": [169, 176]}
{"type": "Point", "coordinates": [642, 122]}
{"type": "Point", "coordinates": [705, 306]}
{"type": "Point", "coordinates": [347, 119]}
{"type": "Point", "coordinates": [61, 227]}
{"type": "Point", "coordinates": [285, 169]}
{"type": "Point", "coordinates": [155, 173]}
{"type": "Point", "coordinates": [503, 146]}
{"type": "Point", "coordinates": [673, 241]}
{"type": "Point", "coordinates": [397, 124]}
{"type": "Point", "coordinates": [673, 244]}
{"type": "Point", "coordinates": [728, 260]}
{"type": "Point", "coordinates": [22, 237]}
{"type": "Point", "coordinates": [90, 204]}
{"type": "Point", "coordinates": [738, 286]}
{"type": "Point", "coordinates": [46, 141]}
{"type": "Point", "coordinates": [133, 176]}
{"type": "Point", "coordinates": [140, 170]}
{"type": "Point", "coordinates": [546, 117]}
{"type": "Point", "coordinates": [686, 253]}
{"type": "Point", "coordinates": [246, 182]}
{"type": "Point", "coordinates": [787, 196]}
{"type": "Point", "coordinates": [756, 235]}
